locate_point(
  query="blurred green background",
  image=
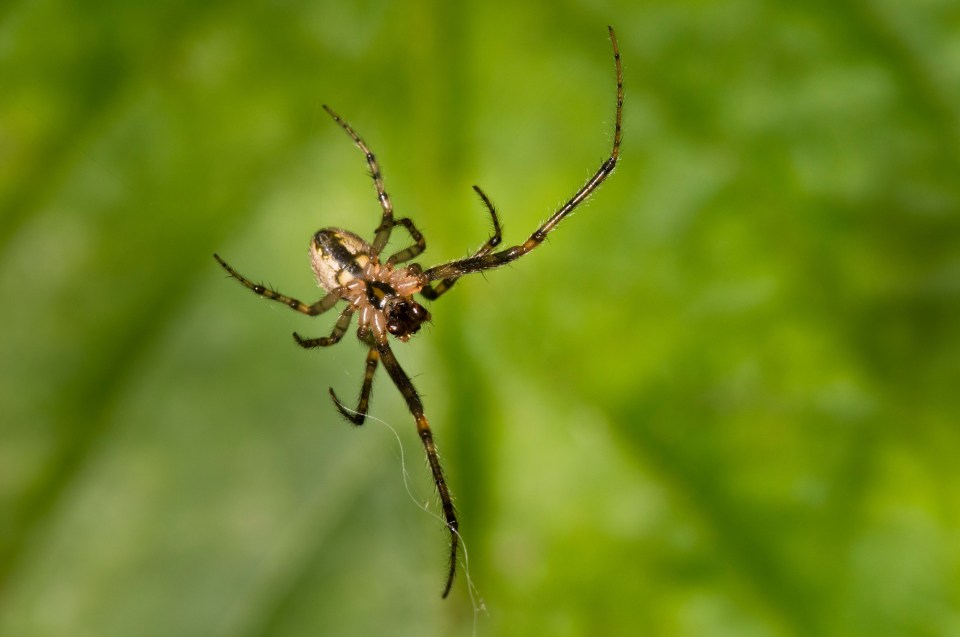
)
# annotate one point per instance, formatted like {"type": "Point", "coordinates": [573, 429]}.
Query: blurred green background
{"type": "Point", "coordinates": [723, 399]}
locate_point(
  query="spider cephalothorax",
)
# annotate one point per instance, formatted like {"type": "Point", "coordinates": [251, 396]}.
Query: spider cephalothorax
{"type": "Point", "coordinates": [381, 293]}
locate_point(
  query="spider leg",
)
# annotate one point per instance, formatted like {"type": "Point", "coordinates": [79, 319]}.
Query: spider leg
{"type": "Point", "coordinates": [360, 414]}
{"type": "Point", "coordinates": [434, 293]}
{"type": "Point", "coordinates": [420, 244]}
{"type": "Point", "coordinates": [402, 381]}
{"type": "Point", "coordinates": [478, 263]}
{"type": "Point", "coordinates": [321, 306]}
{"type": "Point", "coordinates": [339, 329]}
{"type": "Point", "coordinates": [386, 224]}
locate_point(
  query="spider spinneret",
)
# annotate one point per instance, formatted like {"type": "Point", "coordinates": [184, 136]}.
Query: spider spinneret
{"type": "Point", "coordinates": [349, 269]}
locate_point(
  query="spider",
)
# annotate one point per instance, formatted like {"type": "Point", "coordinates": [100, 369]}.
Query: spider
{"type": "Point", "coordinates": [381, 292]}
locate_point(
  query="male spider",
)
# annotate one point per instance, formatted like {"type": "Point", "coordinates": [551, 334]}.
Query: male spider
{"type": "Point", "coordinates": [349, 269]}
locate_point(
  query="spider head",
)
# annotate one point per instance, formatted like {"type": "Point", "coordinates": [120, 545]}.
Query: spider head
{"type": "Point", "coordinates": [404, 316]}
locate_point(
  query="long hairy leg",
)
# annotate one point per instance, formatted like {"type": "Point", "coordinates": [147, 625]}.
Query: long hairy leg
{"type": "Point", "coordinates": [435, 292]}
{"type": "Point", "coordinates": [460, 267]}
{"type": "Point", "coordinates": [358, 415]}
{"type": "Point", "coordinates": [321, 306]}
{"type": "Point", "coordinates": [419, 245]}
{"type": "Point", "coordinates": [402, 381]}
{"type": "Point", "coordinates": [386, 223]}
{"type": "Point", "coordinates": [339, 329]}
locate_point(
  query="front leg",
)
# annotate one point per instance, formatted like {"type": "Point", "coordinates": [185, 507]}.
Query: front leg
{"type": "Point", "coordinates": [433, 293]}
{"type": "Point", "coordinates": [319, 307]}
{"type": "Point", "coordinates": [402, 381]}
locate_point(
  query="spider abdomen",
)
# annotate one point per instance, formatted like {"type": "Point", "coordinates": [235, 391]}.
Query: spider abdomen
{"type": "Point", "coordinates": [338, 257]}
